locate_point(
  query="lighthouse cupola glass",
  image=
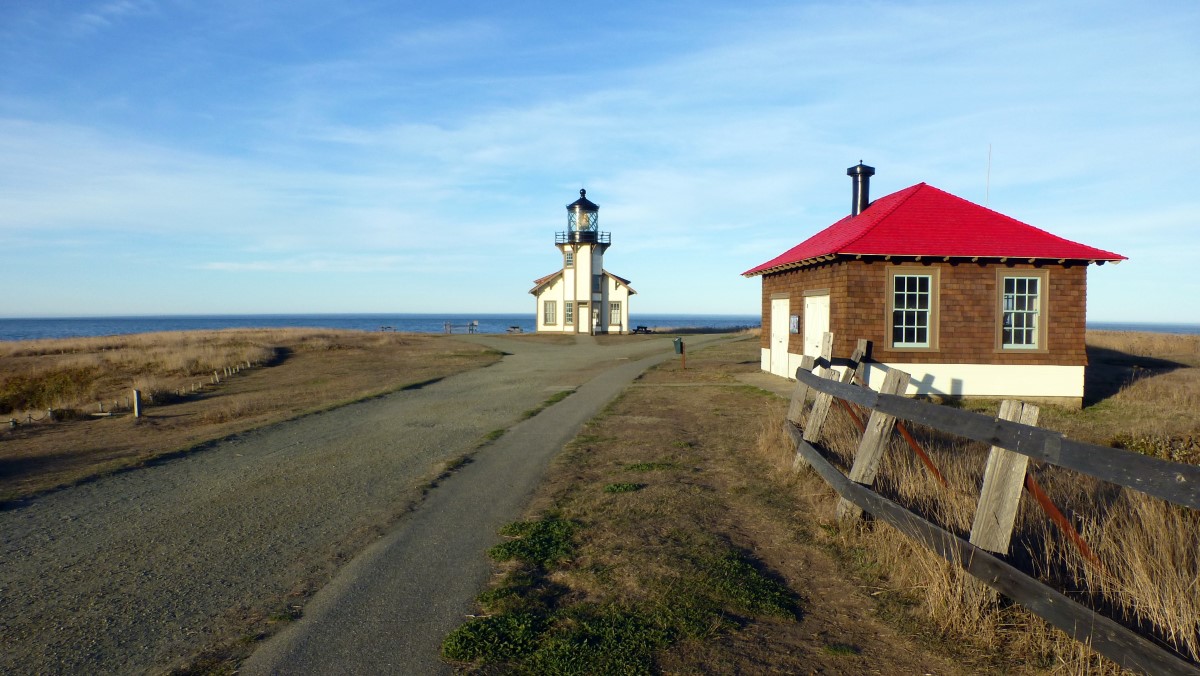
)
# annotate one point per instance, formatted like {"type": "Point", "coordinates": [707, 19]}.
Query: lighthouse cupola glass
{"type": "Point", "coordinates": [583, 219]}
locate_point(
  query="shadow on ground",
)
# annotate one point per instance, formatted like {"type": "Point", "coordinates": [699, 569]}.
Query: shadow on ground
{"type": "Point", "coordinates": [1109, 370]}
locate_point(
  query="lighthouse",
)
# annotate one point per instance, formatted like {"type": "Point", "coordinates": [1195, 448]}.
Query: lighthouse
{"type": "Point", "coordinates": [582, 297]}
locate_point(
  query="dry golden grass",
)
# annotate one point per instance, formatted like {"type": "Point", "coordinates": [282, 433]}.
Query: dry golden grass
{"type": "Point", "coordinates": [1144, 392]}
{"type": "Point", "coordinates": [293, 371]}
{"type": "Point", "coordinates": [1181, 347]}
{"type": "Point", "coordinates": [1149, 550]}
{"type": "Point", "coordinates": [681, 438]}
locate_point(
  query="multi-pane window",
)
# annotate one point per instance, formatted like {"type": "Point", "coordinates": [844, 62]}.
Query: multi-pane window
{"type": "Point", "coordinates": [549, 312]}
{"type": "Point", "coordinates": [911, 304]}
{"type": "Point", "coordinates": [1021, 302]}
{"type": "Point", "coordinates": [568, 312]}
{"type": "Point", "coordinates": [614, 314]}
{"type": "Point", "coordinates": [569, 259]}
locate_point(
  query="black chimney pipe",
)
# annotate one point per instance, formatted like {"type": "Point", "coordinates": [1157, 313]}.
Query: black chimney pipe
{"type": "Point", "coordinates": [861, 175]}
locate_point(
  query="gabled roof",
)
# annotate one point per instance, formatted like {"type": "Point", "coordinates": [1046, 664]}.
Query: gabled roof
{"type": "Point", "coordinates": [924, 221]}
{"type": "Point", "coordinates": [542, 282]}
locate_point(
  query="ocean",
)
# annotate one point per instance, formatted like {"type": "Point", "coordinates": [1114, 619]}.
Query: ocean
{"type": "Point", "coordinates": [74, 327]}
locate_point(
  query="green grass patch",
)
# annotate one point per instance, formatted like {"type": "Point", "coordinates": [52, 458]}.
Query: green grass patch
{"type": "Point", "coordinates": [550, 401]}
{"type": "Point", "coordinates": [536, 542]}
{"type": "Point", "coordinates": [533, 627]}
{"type": "Point", "coordinates": [588, 639]}
{"type": "Point", "coordinates": [735, 578]}
{"type": "Point", "coordinates": [494, 638]}
{"type": "Point", "coordinates": [651, 466]}
{"type": "Point", "coordinates": [844, 649]}
{"type": "Point", "coordinates": [493, 435]}
{"type": "Point", "coordinates": [623, 488]}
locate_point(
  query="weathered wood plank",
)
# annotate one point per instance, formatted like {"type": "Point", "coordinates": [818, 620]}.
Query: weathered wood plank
{"type": "Point", "coordinates": [1171, 481]}
{"type": "Point", "coordinates": [872, 445]}
{"type": "Point", "coordinates": [1003, 481]}
{"type": "Point", "coordinates": [856, 362]}
{"type": "Point", "coordinates": [1107, 637]}
{"type": "Point", "coordinates": [800, 394]}
{"type": "Point", "coordinates": [820, 408]}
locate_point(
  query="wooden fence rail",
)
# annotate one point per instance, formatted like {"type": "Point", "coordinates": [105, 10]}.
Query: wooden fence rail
{"type": "Point", "coordinates": [1169, 481]}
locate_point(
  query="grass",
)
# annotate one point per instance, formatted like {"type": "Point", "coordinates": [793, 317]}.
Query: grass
{"type": "Point", "coordinates": [623, 487]}
{"type": "Point", "coordinates": [550, 401]}
{"type": "Point", "coordinates": [695, 571]}
{"type": "Point", "coordinates": [291, 372]}
{"type": "Point", "coordinates": [1150, 551]}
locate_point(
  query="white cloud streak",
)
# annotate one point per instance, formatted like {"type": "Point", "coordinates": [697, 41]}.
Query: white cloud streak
{"type": "Point", "coordinates": [421, 145]}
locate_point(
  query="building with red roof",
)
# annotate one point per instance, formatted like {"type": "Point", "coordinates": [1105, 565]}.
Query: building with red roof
{"type": "Point", "coordinates": [968, 301]}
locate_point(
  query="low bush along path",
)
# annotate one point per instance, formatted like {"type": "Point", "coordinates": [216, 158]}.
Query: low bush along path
{"type": "Point", "coordinates": [189, 562]}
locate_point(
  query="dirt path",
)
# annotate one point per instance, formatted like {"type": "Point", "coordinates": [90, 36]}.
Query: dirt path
{"type": "Point", "coordinates": [141, 571]}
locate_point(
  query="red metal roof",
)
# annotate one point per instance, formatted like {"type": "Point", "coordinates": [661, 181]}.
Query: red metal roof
{"type": "Point", "coordinates": [924, 221]}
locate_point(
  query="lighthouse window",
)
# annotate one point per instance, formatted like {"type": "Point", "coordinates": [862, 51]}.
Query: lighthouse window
{"type": "Point", "coordinates": [569, 259]}
{"type": "Point", "coordinates": [614, 313]}
{"type": "Point", "coordinates": [550, 312]}
{"type": "Point", "coordinates": [597, 283]}
{"type": "Point", "coordinates": [568, 312]}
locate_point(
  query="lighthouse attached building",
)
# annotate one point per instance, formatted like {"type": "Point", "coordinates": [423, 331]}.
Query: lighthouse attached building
{"type": "Point", "coordinates": [582, 297]}
{"type": "Point", "coordinates": [968, 301]}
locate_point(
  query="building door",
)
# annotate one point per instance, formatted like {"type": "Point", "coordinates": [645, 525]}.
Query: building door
{"type": "Point", "coordinates": [816, 323]}
{"type": "Point", "coordinates": [780, 308]}
{"type": "Point", "coordinates": [582, 319]}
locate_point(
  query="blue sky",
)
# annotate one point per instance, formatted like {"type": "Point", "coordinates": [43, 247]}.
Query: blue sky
{"type": "Point", "coordinates": [215, 156]}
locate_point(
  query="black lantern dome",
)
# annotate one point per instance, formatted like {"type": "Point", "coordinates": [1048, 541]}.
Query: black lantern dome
{"type": "Point", "coordinates": [583, 222]}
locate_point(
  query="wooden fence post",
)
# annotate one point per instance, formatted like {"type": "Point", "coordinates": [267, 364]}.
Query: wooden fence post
{"type": "Point", "coordinates": [857, 361]}
{"type": "Point", "coordinates": [874, 442]}
{"type": "Point", "coordinates": [137, 404]}
{"type": "Point", "coordinates": [1003, 481]}
{"type": "Point", "coordinates": [820, 409]}
{"type": "Point", "coordinates": [801, 392]}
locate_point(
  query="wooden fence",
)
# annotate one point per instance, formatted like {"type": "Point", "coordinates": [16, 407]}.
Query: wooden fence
{"type": "Point", "coordinates": [1014, 440]}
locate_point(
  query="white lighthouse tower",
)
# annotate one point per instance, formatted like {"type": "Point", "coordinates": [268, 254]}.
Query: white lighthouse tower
{"type": "Point", "coordinates": [582, 297]}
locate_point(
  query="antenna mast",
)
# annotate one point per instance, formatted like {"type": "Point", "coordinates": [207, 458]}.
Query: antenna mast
{"type": "Point", "coordinates": [987, 190]}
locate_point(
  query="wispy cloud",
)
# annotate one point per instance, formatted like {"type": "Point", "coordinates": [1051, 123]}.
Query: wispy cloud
{"type": "Point", "coordinates": [106, 14]}
{"type": "Point", "coordinates": [277, 141]}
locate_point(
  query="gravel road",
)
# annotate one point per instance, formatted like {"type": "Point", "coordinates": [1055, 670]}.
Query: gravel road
{"type": "Point", "coordinates": [139, 571]}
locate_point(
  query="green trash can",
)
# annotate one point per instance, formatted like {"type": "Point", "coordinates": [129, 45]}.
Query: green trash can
{"type": "Point", "coordinates": [678, 346]}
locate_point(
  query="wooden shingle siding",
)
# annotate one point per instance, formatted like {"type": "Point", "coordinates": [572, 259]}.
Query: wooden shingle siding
{"type": "Point", "coordinates": [967, 313]}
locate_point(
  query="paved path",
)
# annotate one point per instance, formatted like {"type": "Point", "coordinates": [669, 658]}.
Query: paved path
{"type": "Point", "coordinates": [388, 611]}
{"type": "Point", "coordinates": [138, 571]}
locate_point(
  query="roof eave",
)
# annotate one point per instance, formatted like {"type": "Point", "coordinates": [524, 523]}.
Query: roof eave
{"type": "Point", "coordinates": [933, 257]}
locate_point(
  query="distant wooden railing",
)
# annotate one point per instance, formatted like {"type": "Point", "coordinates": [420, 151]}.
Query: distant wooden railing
{"type": "Point", "coordinates": [1014, 440]}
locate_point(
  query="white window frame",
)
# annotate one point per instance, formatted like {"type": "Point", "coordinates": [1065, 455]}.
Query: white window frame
{"type": "Point", "coordinates": [568, 313]}
{"type": "Point", "coordinates": [568, 259]}
{"type": "Point", "coordinates": [1021, 311]}
{"type": "Point", "coordinates": [909, 302]}
{"type": "Point", "coordinates": [549, 312]}
{"type": "Point", "coordinates": [614, 313]}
